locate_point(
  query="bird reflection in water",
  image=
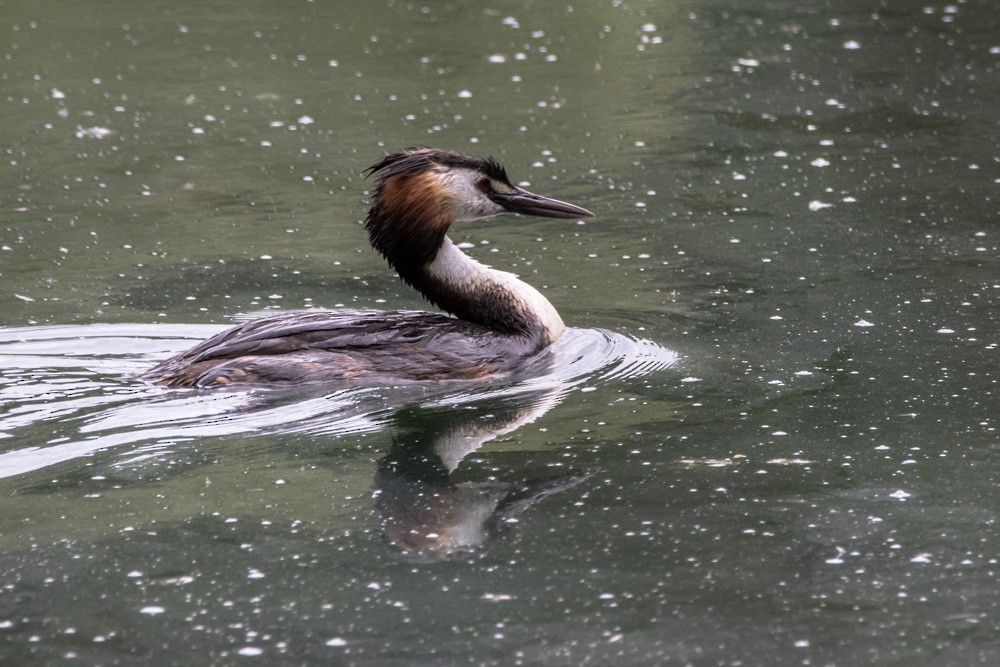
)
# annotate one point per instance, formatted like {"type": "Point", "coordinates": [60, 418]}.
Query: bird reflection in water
{"type": "Point", "coordinates": [426, 515]}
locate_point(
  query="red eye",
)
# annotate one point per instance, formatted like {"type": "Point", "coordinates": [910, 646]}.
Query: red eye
{"type": "Point", "coordinates": [484, 186]}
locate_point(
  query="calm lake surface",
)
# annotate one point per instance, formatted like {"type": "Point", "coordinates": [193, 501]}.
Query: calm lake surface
{"type": "Point", "coordinates": [770, 437]}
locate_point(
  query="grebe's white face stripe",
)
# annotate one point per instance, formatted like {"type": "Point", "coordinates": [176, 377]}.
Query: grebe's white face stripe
{"type": "Point", "coordinates": [468, 201]}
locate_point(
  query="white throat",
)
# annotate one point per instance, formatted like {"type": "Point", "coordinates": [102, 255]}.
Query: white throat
{"type": "Point", "coordinates": [459, 272]}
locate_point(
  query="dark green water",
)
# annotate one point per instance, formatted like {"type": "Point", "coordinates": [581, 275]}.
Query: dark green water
{"type": "Point", "coordinates": [769, 440]}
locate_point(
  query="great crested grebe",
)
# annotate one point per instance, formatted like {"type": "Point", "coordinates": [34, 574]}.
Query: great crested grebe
{"type": "Point", "coordinates": [501, 320]}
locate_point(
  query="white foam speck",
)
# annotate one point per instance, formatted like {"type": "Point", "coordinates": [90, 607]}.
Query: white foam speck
{"type": "Point", "coordinates": [93, 133]}
{"type": "Point", "coordinates": [152, 610]}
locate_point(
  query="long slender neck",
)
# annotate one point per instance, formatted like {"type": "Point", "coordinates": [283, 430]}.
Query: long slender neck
{"type": "Point", "coordinates": [476, 293]}
{"type": "Point", "coordinates": [407, 223]}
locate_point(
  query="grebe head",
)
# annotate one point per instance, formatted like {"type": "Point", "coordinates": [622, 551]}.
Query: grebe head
{"type": "Point", "coordinates": [421, 191]}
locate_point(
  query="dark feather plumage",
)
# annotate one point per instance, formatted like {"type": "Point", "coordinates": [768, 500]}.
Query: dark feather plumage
{"type": "Point", "coordinates": [413, 161]}
{"type": "Point", "coordinates": [344, 345]}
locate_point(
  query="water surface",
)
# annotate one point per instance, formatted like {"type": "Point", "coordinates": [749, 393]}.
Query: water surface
{"type": "Point", "coordinates": [770, 438]}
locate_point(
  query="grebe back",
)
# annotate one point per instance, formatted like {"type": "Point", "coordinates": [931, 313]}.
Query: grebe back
{"type": "Point", "coordinates": [500, 321]}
